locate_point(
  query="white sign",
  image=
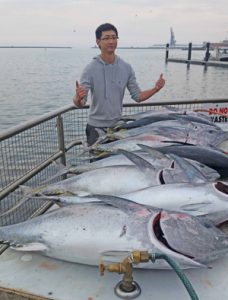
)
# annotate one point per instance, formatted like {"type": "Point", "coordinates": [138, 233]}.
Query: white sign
{"type": "Point", "coordinates": [218, 112]}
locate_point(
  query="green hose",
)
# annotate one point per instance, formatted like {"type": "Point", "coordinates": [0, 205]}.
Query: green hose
{"type": "Point", "coordinates": [173, 264]}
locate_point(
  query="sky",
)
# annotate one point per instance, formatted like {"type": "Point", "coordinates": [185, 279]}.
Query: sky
{"type": "Point", "coordinates": [139, 22]}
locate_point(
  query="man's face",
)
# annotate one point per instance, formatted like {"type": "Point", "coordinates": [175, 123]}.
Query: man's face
{"type": "Point", "coordinates": [108, 41]}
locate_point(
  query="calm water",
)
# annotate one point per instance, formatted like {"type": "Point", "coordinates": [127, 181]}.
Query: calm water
{"type": "Point", "coordinates": [36, 81]}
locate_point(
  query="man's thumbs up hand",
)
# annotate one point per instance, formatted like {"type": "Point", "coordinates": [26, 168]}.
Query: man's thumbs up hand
{"type": "Point", "coordinates": [160, 83]}
{"type": "Point", "coordinates": [80, 95]}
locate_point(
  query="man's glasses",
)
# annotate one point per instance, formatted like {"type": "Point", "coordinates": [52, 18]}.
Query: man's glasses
{"type": "Point", "coordinates": [107, 38]}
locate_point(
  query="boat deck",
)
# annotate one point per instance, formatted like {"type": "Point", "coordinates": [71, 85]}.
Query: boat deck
{"type": "Point", "coordinates": [32, 276]}
{"type": "Point", "coordinates": [37, 277]}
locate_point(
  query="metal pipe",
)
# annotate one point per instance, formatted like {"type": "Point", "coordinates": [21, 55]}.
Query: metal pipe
{"type": "Point", "coordinates": [29, 124]}
{"type": "Point", "coordinates": [6, 191]}
{"type": "Point", "coordinates": [35, 121]}
{"type": "Point", "coordinates": [61, 141]}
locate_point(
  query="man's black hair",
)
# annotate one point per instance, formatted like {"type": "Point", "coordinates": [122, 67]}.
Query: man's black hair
{"type": "Point", "coordinates": [105, 27]}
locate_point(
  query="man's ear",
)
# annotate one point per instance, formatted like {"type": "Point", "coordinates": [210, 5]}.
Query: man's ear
{"type": "Point", "coordinates": [98, 43]}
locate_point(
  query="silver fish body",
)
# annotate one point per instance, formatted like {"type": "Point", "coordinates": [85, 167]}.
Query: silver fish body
{"type": "Point", "coordinates": [119, 159]}
{"type": "Point", "coordinates": [112, 180]}
{"type": "Point", "coordinates": [196, 199]}
{"type": "Point", "coordinates": [209, 156]}
{"type": "Point", "coordinates": [91, 233]}
{"type": "Point", "coordinates": [157, 160]}
{"type": "Point", "coordinates": [193, 198]}
{"type": "Point", "coordinates": [117, 180]}
{"type": "Point", "coordinates": [179, 130]}
{"type": "Point", "coordinates": [130, 143]}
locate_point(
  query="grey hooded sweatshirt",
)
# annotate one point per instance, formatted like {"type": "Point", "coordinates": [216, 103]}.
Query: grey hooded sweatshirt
{"type": "Point", "coordinates": [107, 84]}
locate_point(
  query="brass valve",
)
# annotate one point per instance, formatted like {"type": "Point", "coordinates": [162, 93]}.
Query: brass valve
{"type": "Point", "coordinates": [135, 257]}
{"type": "Point", "coordinates": [127, 287]}
{"type": "Point", "coordinates": [139, 256]}
{"type": "Point", "coordinates": [125, 267]}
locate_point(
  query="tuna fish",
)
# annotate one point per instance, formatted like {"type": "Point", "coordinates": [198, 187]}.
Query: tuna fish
{"type": "Point", "coordinates": [163, 117]}
{"type": "Point", "coordinates": [196, 199]}
{"type": "Point", "coordinates": [157, 159]}
{"type": "Point", "coordinates": [152, 112]}
{"type": "Point", "coordinates": [130, 144]}
{"type": "Point", "coordinates": [91, 233]}
{"type": "Point", "coordinates": [121, 179]}
{"type": "Point", "coordinates": [117, 180]}
{"type": "Point", "coordinates": [178, 130]}
{"type": "Point", "coordinates": [209, 156]}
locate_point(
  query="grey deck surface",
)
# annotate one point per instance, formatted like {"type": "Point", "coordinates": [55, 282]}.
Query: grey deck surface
{"type": "Point", "coordinates": [54, 279]}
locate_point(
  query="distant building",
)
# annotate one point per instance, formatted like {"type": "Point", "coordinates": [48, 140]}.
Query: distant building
{"type": "Point", "coordinates": [223, 43]}
{"type": "Point", "coordinates": [172, 38]}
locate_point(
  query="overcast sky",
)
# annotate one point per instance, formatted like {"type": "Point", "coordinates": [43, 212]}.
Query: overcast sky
{"type": "Point", "coordinates": [139, 22]}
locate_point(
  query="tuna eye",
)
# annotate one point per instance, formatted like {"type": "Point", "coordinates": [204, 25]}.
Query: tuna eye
{"type": "Point", "coordinates": [172, 165]}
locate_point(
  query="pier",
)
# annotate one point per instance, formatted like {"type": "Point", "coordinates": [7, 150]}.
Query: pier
{"type": "Point", "coordinates": [205, 61]}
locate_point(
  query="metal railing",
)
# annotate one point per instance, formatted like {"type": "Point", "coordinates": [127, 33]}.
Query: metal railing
{"type": "Point", "coordinates": [27, 153]}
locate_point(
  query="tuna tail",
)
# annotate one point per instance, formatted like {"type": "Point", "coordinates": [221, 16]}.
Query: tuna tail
{"type": "Point", "coordinates": [22, 201]}
{"type": "Point", "coordinates": [53, 199]}
{"type": "Point", "coordinates": [61, 170]}
{"type": "Point", "coordinates": [28, 194]}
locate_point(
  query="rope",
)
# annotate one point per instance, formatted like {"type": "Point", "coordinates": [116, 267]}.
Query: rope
{"type": "Point", "coordinates": [182, 276]}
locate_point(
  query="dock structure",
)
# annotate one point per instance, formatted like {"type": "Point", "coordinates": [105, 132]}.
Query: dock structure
{"type": "Point", "coordinates": [205, 62]}
{"type": "Point", "coordinates": [200, 62]}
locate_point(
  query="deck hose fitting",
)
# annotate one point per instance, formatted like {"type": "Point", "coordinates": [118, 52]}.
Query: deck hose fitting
{"type": "Point", "coordinates": [129, 289]}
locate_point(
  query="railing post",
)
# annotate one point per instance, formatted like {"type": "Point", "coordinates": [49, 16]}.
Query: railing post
{"type": "Point", "coordinates": [207, 54]}
{"type": "Point", "coordinates": [189, 51]}
{"type": "Point", "coordinates": [167, 53]}
{"type": "Point", "coordinates": [61, 141]}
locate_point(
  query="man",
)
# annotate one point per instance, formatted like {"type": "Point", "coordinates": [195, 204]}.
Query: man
{"type": "Point", "coordinates": [107, 77]}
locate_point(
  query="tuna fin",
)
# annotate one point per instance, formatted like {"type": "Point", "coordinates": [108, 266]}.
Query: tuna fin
{"type": "Point", "coordinates": [189, 170]}
{"type": "Point", "coordinates": [125, 205]}
{"type": "Point", "coordinates": [195, 206]}
{"type": "Point", "coordinates": [82, 193]}
{"type": "Point", "coordinates": [29, 247]}
{"type": "Point", "coordinates": [140, 162]}
{"type": "Point", "coordinates": [153, 152]}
